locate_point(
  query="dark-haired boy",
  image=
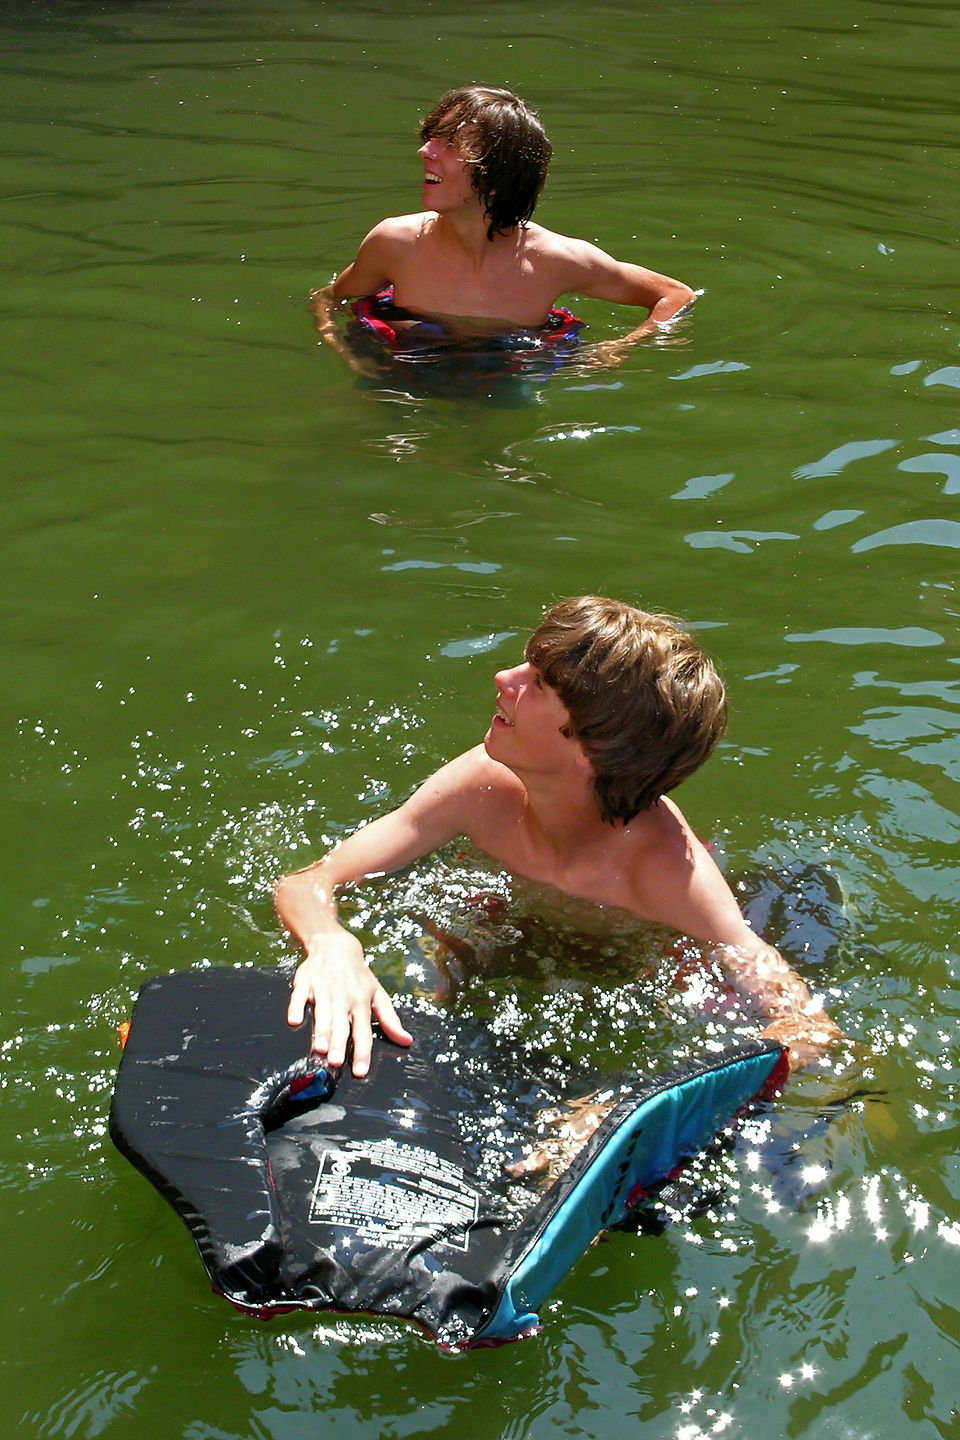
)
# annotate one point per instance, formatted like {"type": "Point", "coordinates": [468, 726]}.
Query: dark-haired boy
{"type": "Point", "coordinates": [472, 259]}
{"type": "Point", "coordinates": [610, 709]}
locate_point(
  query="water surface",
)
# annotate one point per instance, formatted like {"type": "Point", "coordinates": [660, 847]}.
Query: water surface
{"type": "Point", "coordinates": [249, 603]}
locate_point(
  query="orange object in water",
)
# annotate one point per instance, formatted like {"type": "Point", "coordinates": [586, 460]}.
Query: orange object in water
{"type": "Point", "coordinates": [123, 1030]}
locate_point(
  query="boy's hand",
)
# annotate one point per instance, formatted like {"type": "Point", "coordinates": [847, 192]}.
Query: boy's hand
{"type": "Point", "coordinates": [346, 997]}
{"type": "Point", "coordinates": [805, 1037]}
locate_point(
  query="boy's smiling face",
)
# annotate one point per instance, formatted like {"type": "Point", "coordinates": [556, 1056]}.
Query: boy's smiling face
{"type": "Point", "coordinates": [527, 730]}
{"type": "Point", "coordinates": [447, 173]}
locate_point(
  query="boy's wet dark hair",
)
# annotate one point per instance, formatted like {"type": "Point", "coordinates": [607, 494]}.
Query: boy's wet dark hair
{"type": "Point", "coordinates": [503, 141]}
{"type": "Point", "coordinates": [644, 701]}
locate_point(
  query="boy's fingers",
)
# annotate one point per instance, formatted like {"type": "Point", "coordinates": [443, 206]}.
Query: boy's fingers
{"type": "Point", "coordinates": [362, 1048]}
{"type": "Point", "coordinates": [389, 1020]}
{"type": "Point", "coordinates": [297, 1005]}
{"type": "Point", "coordinates": [335, 1045]}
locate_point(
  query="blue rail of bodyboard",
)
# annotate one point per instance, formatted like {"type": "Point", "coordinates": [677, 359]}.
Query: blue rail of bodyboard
{"type": "Point", "coordinates": [645, 1147]}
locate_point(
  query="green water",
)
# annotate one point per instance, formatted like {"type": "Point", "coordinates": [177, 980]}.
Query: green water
{"type": "Point", "coordinates": [248, 603]}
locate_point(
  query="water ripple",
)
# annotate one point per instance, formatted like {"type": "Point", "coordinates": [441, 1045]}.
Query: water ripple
{"type": "Point", "coordinates": [948, 465]}
{"type": "Point", "coordinates": [911, 636]}
{"type": "Point", "coordinates": [913, 532]}
{"type": "Point", "coordinates": [837, 460]}
{"type": "Point", "coordinates": [735, 540]}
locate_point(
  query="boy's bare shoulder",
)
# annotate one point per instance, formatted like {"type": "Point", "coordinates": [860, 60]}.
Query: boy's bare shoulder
{"type": "Point", "coordinates": [551, 245]}
{"type": "Point", "coordinates": [566, 261]}
{"type": "Point", "coordinates": [676, 880]}
{"type": "Point", "coordinates": [398, 229]}
{"type": "Point", "coordinates": [474, 774]}
{"type": "Point", "coordinates": [477, 792]}
{"type": "Point", "coordinates": [662, 844]}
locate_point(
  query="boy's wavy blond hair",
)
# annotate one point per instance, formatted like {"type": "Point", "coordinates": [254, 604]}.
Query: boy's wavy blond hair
{"type": "Point", "coordinates": [644, 701]}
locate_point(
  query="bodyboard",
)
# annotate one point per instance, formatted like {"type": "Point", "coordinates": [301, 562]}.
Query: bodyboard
{"type": "Point", "coordinates": [306, 1188]}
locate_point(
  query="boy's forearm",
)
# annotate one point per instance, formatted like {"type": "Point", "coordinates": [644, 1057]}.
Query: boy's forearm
{"type": "Point", "coordinates": [761, 973]}
{"type": "Point", "coordinates": [796, 1018]}
{"type": "Point", "coordinates": [333, 979]}
{"type": "Point", "coordinates": [323, 306]}
{"type": "Point", "coordinates": [305, 902]}
{"type": "Point", "coordinates": [668, 305]}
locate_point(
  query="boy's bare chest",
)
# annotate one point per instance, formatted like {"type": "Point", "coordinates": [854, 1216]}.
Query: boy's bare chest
{"type": "Point", "coordinates": [601, 875]}
{"type": "Point", "coordinates": [506, 287]}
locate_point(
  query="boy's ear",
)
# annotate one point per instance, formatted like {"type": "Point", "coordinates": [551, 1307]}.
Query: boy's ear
{"type": "Point", "coordinates": [582, 758]}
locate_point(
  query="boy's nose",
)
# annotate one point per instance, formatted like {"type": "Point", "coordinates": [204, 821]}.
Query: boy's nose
{"type": "Point", "coordinates": [507, 679]}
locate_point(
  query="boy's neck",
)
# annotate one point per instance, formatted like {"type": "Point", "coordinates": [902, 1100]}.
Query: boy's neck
{"type": "Point", "coordinates": [467, 232]}
{"type": "Point", "coordinates": [565, 822]}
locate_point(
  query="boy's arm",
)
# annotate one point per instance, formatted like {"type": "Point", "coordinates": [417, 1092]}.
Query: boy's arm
{"type": "Point", "coordinates": [794, 1016]}
{"type": "Point", "coordinates": [370, 270]}
{"type": "Point", "coordinates": [333, 976]}
{"type": "Point", "coordinates": [373, 266]}
{"type": "Point", "coordinates": [694, 899]}
{"type": "Point", "coordinates": [324, 306]}
{"type": "Point", "coordinates": [594, 273]}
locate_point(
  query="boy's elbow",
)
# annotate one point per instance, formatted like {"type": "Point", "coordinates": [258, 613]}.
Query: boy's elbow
{"type": "Point", "coordinates": [285, 890]}
{"type": "Point", "coordinates": [279, 892]}
{"type": "Point", "coordinates": [674, 296]}
{"type": "Point", "coordinates": [680, 296]}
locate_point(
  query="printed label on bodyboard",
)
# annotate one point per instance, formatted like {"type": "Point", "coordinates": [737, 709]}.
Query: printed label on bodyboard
{"type": "Point", "coordinates": [394, 1195]}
